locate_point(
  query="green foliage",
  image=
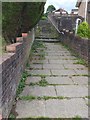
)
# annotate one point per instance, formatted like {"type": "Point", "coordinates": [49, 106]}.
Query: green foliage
{"type": "Point", "coordinates": [80, 61]}
{"type": "Point", "coordinates": [30, 98]}
{"type": "Point", "coordinates": [84, 30]}
{"type": "Point", "coordinates": [18, 17]}
{"type": "Point", "coordinates": [11, 117]}
{"type": "Point", "coordinates": [50, 8]}
{"type": "Point", "coordinates": [44, 17]}
{"type": "Point", "coordinates": [77, 117]}
{"type": "Point", "coordinates": [43, 83]}
{"type": "Point", "coordinates": [22, 83]}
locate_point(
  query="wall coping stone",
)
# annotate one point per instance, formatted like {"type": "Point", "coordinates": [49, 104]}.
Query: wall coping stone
{"type": "Point", "coordinates": [24, 34]}
{"type": "Point", "coordinates": [19, 39]}
{"type": "Point", "coordinates": [13, 47]}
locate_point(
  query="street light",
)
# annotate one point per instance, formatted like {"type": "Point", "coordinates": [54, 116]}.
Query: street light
{"type": "Point", "coordinates": [86, 10]}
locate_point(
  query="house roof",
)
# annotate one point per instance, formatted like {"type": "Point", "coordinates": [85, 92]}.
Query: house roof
{"type": "Point", "coordinates": [61, 10]}
{"type": "Point", "coordinates": [74, 10]}
{"type": "Point", "coordinates": [78, 3]}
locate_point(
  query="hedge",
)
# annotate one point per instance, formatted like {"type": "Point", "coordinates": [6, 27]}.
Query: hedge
{"type": "Point", "coordinates": [18, 17]}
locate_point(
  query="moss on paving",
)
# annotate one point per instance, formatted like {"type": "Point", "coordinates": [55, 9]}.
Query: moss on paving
{"type": "Point", "coordinates": [30, 98]}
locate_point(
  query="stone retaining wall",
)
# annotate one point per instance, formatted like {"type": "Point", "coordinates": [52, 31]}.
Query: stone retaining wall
{"type": "Point", "coordinates": [13, 64]}
{"type": "Point", "coordinates": [77, 44]}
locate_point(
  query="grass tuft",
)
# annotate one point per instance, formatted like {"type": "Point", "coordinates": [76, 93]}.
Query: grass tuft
{"type": "Point", "coordinates": [21, 83]}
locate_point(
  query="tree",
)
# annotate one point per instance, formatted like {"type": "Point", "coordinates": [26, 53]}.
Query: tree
{"type": "Point", "coordinates": [50, 8]}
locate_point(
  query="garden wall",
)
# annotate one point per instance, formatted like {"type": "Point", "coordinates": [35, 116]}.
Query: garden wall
{"type": "Point", "coordinates": [13, 64]}
{"type": "Point", "coordinates": [77, 44]}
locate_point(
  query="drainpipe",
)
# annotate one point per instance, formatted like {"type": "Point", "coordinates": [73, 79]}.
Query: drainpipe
{"type": "Point", "coordinates": [86, 11]}
{"type": "Point", "coordinates": [77, 25]}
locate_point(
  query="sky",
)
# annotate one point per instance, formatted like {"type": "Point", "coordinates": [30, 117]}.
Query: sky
{"type": "Point", "coordinates": [65, 4]}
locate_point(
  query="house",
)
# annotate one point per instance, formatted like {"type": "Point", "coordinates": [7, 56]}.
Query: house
{"type": "Point", "coordinates": [84, 9]}
{"type": "Point", "coordinates": [74, 11]}
{"type": "Point", "coordinates": [88, 13]}
{"type": "Point", "coordinates": [60, 11]}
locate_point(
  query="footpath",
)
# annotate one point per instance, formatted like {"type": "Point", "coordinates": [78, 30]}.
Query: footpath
{"type": "Point", "coordinates": [57, 85]}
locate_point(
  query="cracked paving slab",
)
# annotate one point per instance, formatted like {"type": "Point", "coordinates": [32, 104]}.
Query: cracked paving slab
{"type": "Point", "coordinates": [80, 80]}
{"type": "Point", "coordinates": [53, 66]}
{"type": "Point", "coordinates": [52, 108]}
{"type": "Point", "coordinates": [59, 80]}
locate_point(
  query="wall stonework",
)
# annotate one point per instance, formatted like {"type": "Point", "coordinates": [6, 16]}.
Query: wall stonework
{"type": "Point", "coordinates": [77, 44]}
{"type": "Point", "coordinates": [13, 64]}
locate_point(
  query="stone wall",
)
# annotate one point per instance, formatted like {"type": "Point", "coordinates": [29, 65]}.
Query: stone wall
{"type": "Point", "coordinates": [77, 44]}
{"type": "Point", "coordinates": [13, 64]}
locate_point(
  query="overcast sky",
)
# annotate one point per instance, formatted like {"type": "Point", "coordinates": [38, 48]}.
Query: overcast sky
{"type": "Point", "coordinates": [65, 4]}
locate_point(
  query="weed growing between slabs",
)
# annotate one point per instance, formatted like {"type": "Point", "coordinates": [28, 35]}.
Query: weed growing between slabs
{"type": "Point", "coordinates": [30, 98]}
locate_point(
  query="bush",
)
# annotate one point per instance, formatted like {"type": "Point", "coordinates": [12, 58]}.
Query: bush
{"type": "Point", "coordinates": [43, 17]}
{"type": "Point", "coordinates": [18, 17]}
{"type": "Point", "coordinates": [84, 30]}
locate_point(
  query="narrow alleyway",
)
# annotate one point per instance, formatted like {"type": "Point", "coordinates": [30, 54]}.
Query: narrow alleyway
{"type": "Point", "coordinates": [57, 86]}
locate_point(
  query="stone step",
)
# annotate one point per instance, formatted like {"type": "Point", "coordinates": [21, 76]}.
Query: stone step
{"type": "Point", "coordinates": [48, 40]}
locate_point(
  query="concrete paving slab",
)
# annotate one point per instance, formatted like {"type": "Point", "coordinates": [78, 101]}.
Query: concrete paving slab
{"type": "Point", "coordinates": [59, 80]}
{"type": "Point", "coordinates": [52, 57]}
{"type": "Point", "coordinates": [63, 72]}
{"type": "Point", "coordinates": [53, 66]}
{"type": "Point", "coordinates": [72, 91]}
{"type": "Point", "coordinates": [75, 66]}
{"type": "Point", "coordinates": [27, 109]}
{"type": "Point", "coordinates": [39, 61]}
{"type": "Point", "coordinates": [36, 66]}
{"type": "Point", "coordinates": [39, 72]}
{"type": "Point", "coordinates": [32, 80]}
{"type": "Point", "coordinates": [67, 58]}
{"type": "Point", "coordinates": [81, 80]}
{"type": "Point", "coordinates": [82, 72]}
{"type": "Point", "coordinates": [66, 108]}
{"type": "Point", "coordinates": [63, 61]}
{"type": "Point", "coordinates": [54, 53]}
{"type": "Point", "coordinates": [38, 91]}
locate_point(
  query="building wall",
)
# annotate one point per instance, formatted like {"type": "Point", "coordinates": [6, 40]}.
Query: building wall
{"type": "Point", "coordinates": [13, 64]}
{"type": "Point", "coordinates": [81, 10]}
{"type": "Point", "coordinates": [88, 13]}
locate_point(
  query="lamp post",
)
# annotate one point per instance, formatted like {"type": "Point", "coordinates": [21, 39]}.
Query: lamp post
{"type": "Point", "coordinates": [86, 10]}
